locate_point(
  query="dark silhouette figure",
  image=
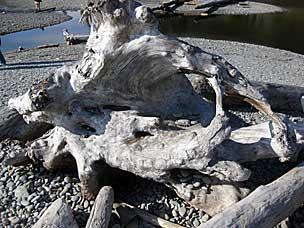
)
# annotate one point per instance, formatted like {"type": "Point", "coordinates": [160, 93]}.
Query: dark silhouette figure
{"type": "Point", "coordinates": [2, 59]}
{"type": "Point", "coordinates": [37, 3]}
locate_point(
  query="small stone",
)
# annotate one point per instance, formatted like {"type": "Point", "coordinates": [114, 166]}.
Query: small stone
{"type": "Point", "coordinates": [195, 222]}
{"type": "Point", "coordinates": [23, 178]}
{"type": "Point", "coordinates": [21, 192]}
{"type": "Point", "coordinates": [182, 211]}
{"type": "Point", "coordinates": [10, 184]}
{"type": "Point", "coordinates": [29, 208]}
{"type": "Point", "coordinates": [68, 185]}
{"type": "Point", "coordinates": [25, 203]}
{"type": "Point", "coordinates": [174, 213]}
{"type": "Point", "coordinates": [204, 218]}
{"type": "Point", "coordinates": [193, 122]}
{"type": "Point", "coordinates": [75, 198]}
{"type": "Point", "coordinates": [166, 216]}
{"type": "Point", "coordinates": [183, 122]}
{"type": "Point", "coordinates": [196, 184]}
{"type": "Point", "coordinates": [67, 180]}
{"type": "Point", "coordinates": [86, 204]}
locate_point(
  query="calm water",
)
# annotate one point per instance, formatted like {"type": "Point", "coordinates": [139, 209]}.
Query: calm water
{"type": "Point", "coordinates": [283, 30]}
{"type": "Point", "coordinates": [50, 35]}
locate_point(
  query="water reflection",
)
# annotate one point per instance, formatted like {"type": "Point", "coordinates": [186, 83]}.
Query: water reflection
{"type": "Point", "coordinates": [283, 30]}
{"type": "Point", "coordinates": [41, 36]}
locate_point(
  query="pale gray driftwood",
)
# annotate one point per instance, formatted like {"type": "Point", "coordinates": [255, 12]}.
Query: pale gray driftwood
{"type": "Point", "coordinates": [266, 206]}
{"type": "Point", "coordinates": [58, 215]}
{"type": "Point", "coordinates": [72, 39]}
{"type": "Point", "coordinates": [102, 209]}
{"type": "Point", "coordinates": [118, 103]}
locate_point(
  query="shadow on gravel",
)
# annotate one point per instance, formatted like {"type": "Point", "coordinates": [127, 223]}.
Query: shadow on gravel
{"type": "Point", "coordinates": [33, 65]}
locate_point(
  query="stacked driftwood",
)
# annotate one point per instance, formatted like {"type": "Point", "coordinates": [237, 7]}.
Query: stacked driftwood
{"type": "Point", "coordinates": [118, 106]}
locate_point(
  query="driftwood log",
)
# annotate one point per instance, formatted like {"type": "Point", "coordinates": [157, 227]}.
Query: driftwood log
{"type": "Point", "coordinates": [120, 103]}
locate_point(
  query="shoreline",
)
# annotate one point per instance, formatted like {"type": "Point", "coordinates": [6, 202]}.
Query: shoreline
{"type": "Point", "coordinates": [16, 16]}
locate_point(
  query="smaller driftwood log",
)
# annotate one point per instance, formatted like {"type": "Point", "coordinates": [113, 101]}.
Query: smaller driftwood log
{"type": "Point", "coordinates": [58, 215]}
{"type": "Point", "coordinates": [102, 209]}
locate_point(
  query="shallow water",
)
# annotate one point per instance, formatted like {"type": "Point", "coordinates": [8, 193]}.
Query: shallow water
{"type": "Point", "coordinates": [48, 35]}
{"type": "Point", "coordinates": [281, 30]}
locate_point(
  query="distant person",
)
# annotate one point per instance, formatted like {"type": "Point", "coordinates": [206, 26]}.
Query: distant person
{"type": "Point", "coordinates": [37, 3]}
{"type": "Point", "coordinates": [2, 59]}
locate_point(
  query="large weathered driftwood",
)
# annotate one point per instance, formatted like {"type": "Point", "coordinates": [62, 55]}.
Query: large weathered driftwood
{"type": "Point", "coordinates": [267, 205]}
{"type": "Point", "coordinates": [119, 105]}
